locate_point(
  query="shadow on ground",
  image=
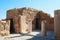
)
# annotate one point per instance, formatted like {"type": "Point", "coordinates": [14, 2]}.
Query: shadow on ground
{"type": "Point", "coordinates": [49, 36]}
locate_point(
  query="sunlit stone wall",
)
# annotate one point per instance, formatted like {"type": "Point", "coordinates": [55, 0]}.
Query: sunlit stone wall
{"type": "Point", "coordinates": [43, 28]}
{"type": "Point", "coordinates": [4, 28]}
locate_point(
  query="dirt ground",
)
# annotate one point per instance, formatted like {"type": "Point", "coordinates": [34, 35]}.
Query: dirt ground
{"type": "Point", "coordinates": [35, 35]}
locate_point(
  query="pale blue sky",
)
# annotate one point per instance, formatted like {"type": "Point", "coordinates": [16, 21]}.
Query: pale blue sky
{"type": "Point", "coordinates": [48, 6]}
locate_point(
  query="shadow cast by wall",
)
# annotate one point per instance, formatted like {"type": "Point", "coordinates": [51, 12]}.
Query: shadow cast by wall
{"type": "Point", "coordinates": [49, 36]}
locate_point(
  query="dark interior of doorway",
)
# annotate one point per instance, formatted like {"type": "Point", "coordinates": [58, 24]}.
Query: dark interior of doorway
{"type": "Point", "coordinates": [37, 26]}
{"type": "Point", "coordinates": [12, 30]}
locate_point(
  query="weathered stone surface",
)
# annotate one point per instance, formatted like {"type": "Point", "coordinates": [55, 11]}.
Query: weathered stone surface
{"type": "Point", "coordinates": [49, 20]}
{"type": "Point", "coordinates": [4, 28]}
{"type": "Point", "coordinates": [31, 15]}
{"type": "Point", "coordinates": [43, 28]}
{"type": "Point", "coordinates": [23, 26]}
{"type": "Point", "coordinates": [57, 24]}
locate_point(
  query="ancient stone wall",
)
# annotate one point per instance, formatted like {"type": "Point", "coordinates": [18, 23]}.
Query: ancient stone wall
{"type": "Point", "coordinates": [24, 27]}
{"type": "Point", "coordinates": [12, 15]}
{"type": "Point", "coordinates": [57, 24]}
{"type": "Point", "coordinates": [49, 20]}
{"type": "Point", "coordinates": [4, 28]}
{"type": "Point", "coordinates": [31, 15]}
{"type": "Point", "coordinates": [43, 28]}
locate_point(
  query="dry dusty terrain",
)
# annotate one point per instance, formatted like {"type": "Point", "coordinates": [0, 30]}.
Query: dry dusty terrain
{"type": "Point", "coordinates": [35, 35]}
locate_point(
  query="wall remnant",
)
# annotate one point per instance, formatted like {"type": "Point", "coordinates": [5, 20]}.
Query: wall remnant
{"type": "Point", "coordinates": [4, 28]}
{"type": "Point", "coordinates": [43, 28]}
{"type": "Point", "coordinates": [57, 24]}
{"type": "Point", "coordinates": [30, 13]}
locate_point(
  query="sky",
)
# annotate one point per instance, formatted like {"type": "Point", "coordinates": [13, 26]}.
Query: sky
{"type": "Point", "coordinates": [47, 6]}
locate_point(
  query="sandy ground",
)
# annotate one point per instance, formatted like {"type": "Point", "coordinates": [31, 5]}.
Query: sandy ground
{"type": "Point", "coordinates": [35, 35]}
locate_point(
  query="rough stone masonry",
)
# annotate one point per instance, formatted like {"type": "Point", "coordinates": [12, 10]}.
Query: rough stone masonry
{"type": "Point", "coordinates": [31, 15]}
{"type": "Point", "coordinates": [4, 28]}
{"type": "Point", "coordinates": [57, 24]}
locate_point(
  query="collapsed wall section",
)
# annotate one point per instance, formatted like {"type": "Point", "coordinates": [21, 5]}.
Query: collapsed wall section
{"type": "Point", "coordinates": [31, 15]}
{"type": "Point", "coordinates": [4, 28]}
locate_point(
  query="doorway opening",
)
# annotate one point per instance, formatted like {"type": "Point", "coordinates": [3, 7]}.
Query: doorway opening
{"type": "Point", "coordinates": [12, 30]}
{"type": "Point", "coordinates": [37, 24]}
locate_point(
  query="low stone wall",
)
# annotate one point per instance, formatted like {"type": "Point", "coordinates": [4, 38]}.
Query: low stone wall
{"type": "Point", "coordinates": [4, 28]}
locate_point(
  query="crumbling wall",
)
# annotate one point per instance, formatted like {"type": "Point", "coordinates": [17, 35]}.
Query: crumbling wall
{"type": "Point", "coordinates": [23, 25]}
{"type": "Point", "coordinates": [13, 14]}
{"type": "Point", "coordinates": [49, 20]}
{"type": "Point", "coordinates": [57, 24]}
{"type": "Point", "coordinates": [31, 15]}
{"type": "Point", "coordinates": [4, 28]}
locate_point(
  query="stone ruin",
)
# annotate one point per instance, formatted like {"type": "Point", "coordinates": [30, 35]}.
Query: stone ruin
{"type": "Point", "coordinates": [43, 28]}
{"type": "Point", "coordinates": [57, 24]}
{"type": "Point", "coordinates": [24, 20]}
{"type": "Point", "coordinates": [4, 28]}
